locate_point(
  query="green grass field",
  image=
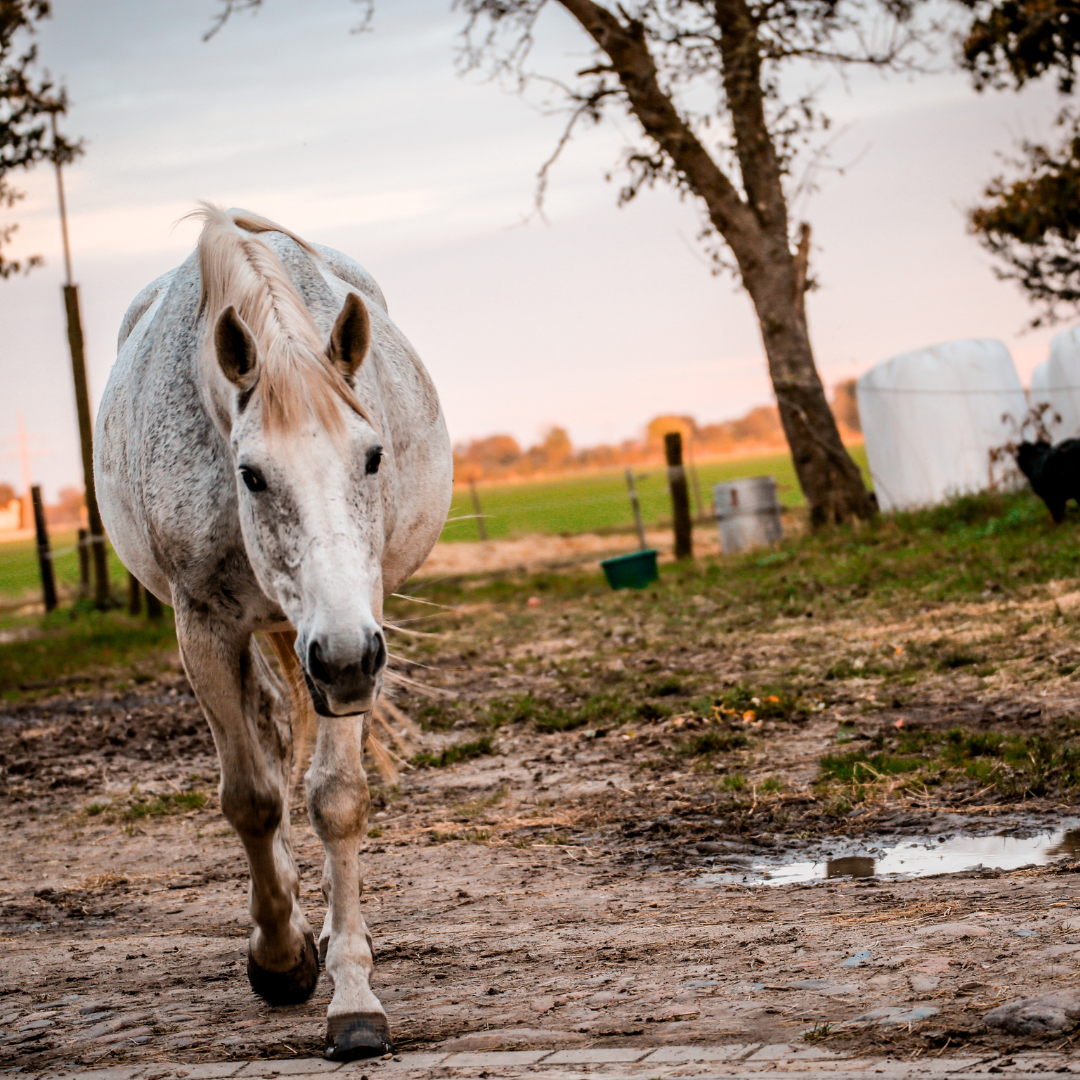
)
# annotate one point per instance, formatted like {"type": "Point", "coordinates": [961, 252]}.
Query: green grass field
{"type": "Point", "coordinates": [20, 577]}
{"type": "Point", "coordinates": [573, 504]}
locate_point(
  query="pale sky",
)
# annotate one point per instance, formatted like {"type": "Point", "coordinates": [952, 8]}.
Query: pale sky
{"type": "Point", "coordinates": [598, 319]}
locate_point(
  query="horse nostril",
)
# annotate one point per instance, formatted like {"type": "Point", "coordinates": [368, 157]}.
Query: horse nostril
{"type": "Point", "coordinates": [374, 656]}
{"type": "Point", "coordinates": [317, 666]}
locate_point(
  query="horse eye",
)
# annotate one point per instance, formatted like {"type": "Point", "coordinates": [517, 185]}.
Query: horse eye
{"type": "Point", "coordinates": [253, 481]}
{"type": "Point", "coordinates": [374, 460]}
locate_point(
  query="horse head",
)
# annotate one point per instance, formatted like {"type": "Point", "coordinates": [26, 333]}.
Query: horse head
{"type": "Point", "coordinates": [310, 478]}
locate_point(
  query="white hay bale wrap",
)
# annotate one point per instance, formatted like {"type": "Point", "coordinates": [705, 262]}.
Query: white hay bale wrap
{"type": "Point", "coordinates": [935, 421]}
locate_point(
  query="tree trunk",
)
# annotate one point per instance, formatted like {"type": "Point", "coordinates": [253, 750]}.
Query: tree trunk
{"type": "Point", "coordinates": [754, 227]}
{"type": "Point", "coordinates": [830, 480]}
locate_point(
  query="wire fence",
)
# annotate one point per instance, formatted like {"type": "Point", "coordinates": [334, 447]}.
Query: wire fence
{"type": "Point", "coordinates": [599, 502]}
{"type": "Point", "coordinates": [20, 575]}
{"type": "Point", "coordinates": [572, 504]}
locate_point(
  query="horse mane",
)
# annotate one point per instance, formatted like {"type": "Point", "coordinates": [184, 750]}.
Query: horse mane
{"type": "Point", "coordinates": [296, 379]}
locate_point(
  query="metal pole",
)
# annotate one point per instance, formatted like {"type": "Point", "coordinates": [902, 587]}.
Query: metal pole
{"type": "Point", "coordinates": [680, 496]}
{"type": "Point", "coordinates": [635, 505]}
{"type": "Point", "coordinates": [82, 397]}
{"type": "Point", "coordinates": [477, 511]}
{"type": "Point", "coordinates": [48, 581]}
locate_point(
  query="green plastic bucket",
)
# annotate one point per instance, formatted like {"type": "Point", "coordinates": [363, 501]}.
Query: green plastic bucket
{"type": "Point", "coordinates": [633, 571]}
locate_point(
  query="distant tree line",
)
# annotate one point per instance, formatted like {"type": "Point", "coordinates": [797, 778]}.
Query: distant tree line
{"type": "Point", "coordinates": [69, 508]}
{"type": "Point", "coordinates": [502, 457]}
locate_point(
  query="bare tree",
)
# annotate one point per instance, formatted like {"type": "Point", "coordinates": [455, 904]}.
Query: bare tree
{"type": "Point", "coordinates": [650, 57]}
{"type": "Point", "coordinates": [26, 102]}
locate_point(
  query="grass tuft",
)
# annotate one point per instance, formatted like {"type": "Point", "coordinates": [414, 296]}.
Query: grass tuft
{"type": "Point", "coordinates": [858, 766]}
{"type": "Point", "coordinates": [163, 805]}
{"type": "Point", "coordinates": [451, 755]}
{"type": "Point", "coordinates": [714, 742]}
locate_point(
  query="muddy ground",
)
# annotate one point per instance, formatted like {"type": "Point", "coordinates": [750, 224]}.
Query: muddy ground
{"type": "Point", "coordinates": [562, 887]}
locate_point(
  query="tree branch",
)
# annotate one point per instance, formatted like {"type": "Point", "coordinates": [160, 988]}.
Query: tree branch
{"type": "Point", "coordinates": [26, 102]}
{"type": "Point", "coordinates": [588, 107]}
{"type": "Point", "coordinates": [802, 267]}
{"type": "Point", "coordinates": [740, 48]}
{"type": "Point", "coordinates": [625, 45]}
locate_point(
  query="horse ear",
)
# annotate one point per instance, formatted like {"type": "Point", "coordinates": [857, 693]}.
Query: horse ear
{"type": "Point", "coordinates": [236, 351]}
{"type": "Point", "coordinates": [351, 336]}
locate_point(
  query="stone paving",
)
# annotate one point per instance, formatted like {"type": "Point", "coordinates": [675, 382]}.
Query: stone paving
{"type": "Point", "coordinates": [597, 1063]}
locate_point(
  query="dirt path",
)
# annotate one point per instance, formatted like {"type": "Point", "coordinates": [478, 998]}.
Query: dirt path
{"type": "Point", "coordinates": [538, 552]}
{"type": "Point", "coordinates": [571, 884]}
{"type": "Point", "coordinates": [526, 895]}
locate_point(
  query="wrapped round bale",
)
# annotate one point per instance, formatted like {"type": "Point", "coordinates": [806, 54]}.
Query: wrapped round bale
{"type": "Point", "coordinates": [936, 421]}
{"type": "Point", "coordinates": [1062, 386]}
{"type": "Point", "coordinates": [1039, 393]}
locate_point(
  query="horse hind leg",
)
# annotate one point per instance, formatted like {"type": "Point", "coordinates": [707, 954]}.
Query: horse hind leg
{"type": "Point", "coordinates": [338, 804]}
{"type": "Point", "coordinates": [249, 720]}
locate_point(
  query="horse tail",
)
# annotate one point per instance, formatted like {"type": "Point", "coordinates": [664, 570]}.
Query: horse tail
{"type": "Point", "coordinates": [302, 715]}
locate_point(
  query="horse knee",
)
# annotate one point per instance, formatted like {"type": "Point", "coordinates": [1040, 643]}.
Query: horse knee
{"type": "Point", "coordinates": [253, 809]}
{"type": "Point", "coordinates": [338, 804]}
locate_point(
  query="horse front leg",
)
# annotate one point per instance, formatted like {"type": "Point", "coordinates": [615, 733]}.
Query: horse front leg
{"type": "Point", "coordinates": [338, 803]}
{"type": "Point", "coordinates": [249, 718]}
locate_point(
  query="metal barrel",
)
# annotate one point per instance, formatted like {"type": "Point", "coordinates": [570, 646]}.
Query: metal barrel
{"type": "Point", "coordinates": [747, 513]}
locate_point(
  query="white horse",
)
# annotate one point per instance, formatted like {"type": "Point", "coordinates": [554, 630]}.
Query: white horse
{"type": "Point", "coordinates": [271, 456]}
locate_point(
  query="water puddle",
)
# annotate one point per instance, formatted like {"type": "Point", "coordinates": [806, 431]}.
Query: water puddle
{"type": "Point", "coordinates": [908, 858]}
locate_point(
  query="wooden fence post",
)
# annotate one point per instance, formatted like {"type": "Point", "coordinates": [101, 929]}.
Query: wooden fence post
{"type": "Point", "coordinates": [134, 599]}
{"type": "Point", "coordinates": [77, 346]}
{"type": "Point", "coordinates": [82, 410]}
{"type": "Point", "coordinates": [680, 495]}
{"type": "Point", "coordinates": [154, 607]}
{"type": "Point", "coordinates": [48, 580]}
{"type": "Point", "coordinates": [476, 509]}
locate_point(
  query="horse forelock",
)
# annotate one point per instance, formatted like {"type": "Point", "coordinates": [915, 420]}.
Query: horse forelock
{"type": "Point", "coordinates": [296, 380]}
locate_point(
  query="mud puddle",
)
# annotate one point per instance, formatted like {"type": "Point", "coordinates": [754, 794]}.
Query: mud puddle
{"type": "Point", "coordinates": [907, 858]}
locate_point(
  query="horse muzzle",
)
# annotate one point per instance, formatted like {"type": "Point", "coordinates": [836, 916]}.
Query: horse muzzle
{"type": "Point", "coordinates": [342, 674]}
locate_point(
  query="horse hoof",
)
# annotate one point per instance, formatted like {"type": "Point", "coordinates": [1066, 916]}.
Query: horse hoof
{"type": "Point", "coordinates": [357, 1035]}
{"type": "Point", "coordinates": [286, 987]}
